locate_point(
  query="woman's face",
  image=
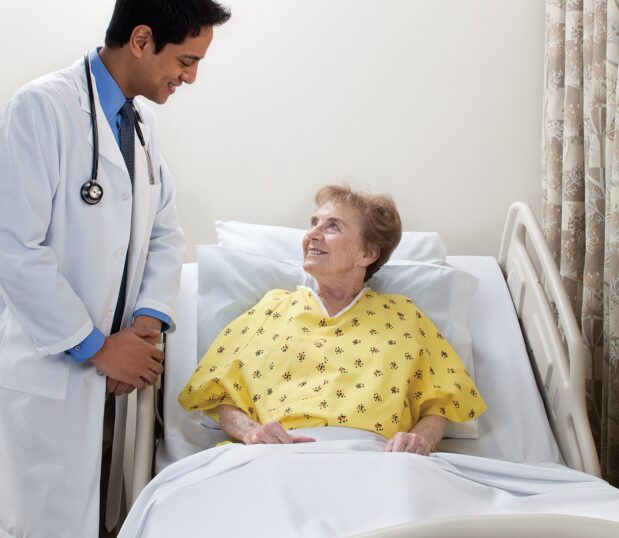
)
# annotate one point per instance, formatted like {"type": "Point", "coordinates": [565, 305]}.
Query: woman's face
{"type": "Point", "coordinates": [333, 245]}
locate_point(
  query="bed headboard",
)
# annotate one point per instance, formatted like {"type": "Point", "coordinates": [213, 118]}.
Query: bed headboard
{"type": "Point", "coordinates": [551, 333]}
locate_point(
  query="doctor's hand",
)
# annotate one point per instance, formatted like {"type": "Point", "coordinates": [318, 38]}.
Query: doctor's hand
{"type": "Point", "coordinates": [118, 388]}
{"type": "Point", "coordinates": [148, 322]}
{"type": "Point", "coordinates": [127, 357]}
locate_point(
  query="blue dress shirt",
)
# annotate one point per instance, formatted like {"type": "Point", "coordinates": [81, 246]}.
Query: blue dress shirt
{"type": "Point", "coordinates": [112, 99]}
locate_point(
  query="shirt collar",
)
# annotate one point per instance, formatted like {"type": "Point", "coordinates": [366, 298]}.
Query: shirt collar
{"type": "Point", "coordinates": [111, 96]}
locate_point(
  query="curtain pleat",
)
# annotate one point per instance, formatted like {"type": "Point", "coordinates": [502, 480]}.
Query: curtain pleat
{"type": "Point", "coordinates": [580, 193]}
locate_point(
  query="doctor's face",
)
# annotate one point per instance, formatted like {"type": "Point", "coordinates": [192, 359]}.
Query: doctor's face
{"type": "Point", "coordinates": [163, 73]}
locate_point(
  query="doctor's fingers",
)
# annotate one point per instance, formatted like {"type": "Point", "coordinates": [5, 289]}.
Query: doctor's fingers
{"type": "Point", "coordinates": [154, 351]}
{"type": "Point", "coordinates": [155, 366]}
{"type": "Point", "coordinates": [111, 385]}
{"type": "Point", "coordinates": [144, 332]}
{"type": "Point", "coordinates": [152, 355]}
{"type": "Point", "coordinates": [123, 388]}
{"type": "Point", "coordinates": [129, 389]}
{"type": "Point", "coordinates": [151, 374]}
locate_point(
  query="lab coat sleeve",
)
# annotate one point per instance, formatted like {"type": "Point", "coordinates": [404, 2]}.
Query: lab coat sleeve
{"type": "Point", "coordinates": [161, 280]}
{"type": "Point", "coordinates": [31, 284]}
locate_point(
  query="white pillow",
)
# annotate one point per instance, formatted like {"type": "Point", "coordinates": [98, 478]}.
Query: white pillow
{"type": "Point", "coordinates": [285, 243]}
{"type": "Point", "coordinates": [231, 281]}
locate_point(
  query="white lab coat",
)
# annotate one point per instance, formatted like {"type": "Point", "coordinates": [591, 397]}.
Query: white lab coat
{"type": "Point", "coordinates": [61, 263]}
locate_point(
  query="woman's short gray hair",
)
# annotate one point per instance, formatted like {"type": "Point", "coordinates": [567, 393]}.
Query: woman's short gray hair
{"type": "Point", "coordinates": [380, 221]}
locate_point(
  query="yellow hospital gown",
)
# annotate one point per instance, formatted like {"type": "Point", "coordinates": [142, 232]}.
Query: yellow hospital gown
{"type": "Point", "coordinates": [379, 365]}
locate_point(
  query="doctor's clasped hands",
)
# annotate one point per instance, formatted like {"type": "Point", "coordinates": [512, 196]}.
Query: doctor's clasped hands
{"type": "Point", "coordinates": [130, 358]}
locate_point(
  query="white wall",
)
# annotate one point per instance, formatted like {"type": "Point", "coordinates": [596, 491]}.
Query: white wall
{"type": "Point", "coordinates": [437, 102]}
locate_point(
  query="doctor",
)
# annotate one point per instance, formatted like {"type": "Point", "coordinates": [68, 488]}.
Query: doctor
{"type": "Point", "coordinates": [90, 256]}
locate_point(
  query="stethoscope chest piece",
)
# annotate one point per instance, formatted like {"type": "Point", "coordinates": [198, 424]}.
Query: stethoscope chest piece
{"type": "Point", "coordinates": [91, 192]}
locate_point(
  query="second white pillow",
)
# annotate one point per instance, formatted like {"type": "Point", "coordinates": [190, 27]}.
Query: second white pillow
{"type": "Point", "coordinates": [284, 243]}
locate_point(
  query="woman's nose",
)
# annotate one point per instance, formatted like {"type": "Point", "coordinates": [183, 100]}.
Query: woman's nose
{"type": "Point", "coordinates": [315, 232]}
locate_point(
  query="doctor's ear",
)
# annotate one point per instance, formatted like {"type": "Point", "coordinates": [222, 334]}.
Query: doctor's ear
{"type": "Point", "coordinates": [141, 38]}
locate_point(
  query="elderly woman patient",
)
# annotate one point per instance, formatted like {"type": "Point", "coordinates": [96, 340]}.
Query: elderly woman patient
{"type": "Point", "coordinates": [339, 355]}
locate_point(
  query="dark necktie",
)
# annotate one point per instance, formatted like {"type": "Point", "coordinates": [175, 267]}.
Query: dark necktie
{"type": "Point", "coordinates": [127, 148]}
{"type": "Point", "coordinates": [127, 130]}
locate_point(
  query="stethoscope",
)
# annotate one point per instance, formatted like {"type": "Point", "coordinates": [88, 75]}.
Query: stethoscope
{"type": "Point", "coordinates": [91, 191]}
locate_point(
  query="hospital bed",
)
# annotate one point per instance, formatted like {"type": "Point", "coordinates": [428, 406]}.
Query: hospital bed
{"type": "Point", "coordinates": [530, 469]}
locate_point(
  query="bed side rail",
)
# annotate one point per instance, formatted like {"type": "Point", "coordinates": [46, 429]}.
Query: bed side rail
{"type": "Point", "coordinates": [144, 443]}
{"type": "Point", "coordinates": [140, 439]}
{"type": "Point", "coordinates": [551, 333]}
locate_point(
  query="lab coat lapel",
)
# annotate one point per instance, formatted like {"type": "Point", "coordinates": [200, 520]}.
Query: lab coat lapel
{"type": "Point", "coordinates": [79, 77]}
{"type": "Point", "coordinates": [141, 216]}
{"type": "Point", "coordinates": [145, 202]}
{"type": "Point", "coordinates": [141, 163]}
{"type": "Point", "coordinates": [108, 147]}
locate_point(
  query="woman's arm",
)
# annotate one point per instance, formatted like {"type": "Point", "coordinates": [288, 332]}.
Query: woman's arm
{"type": "Point", "coordinates": [420, 440]}
{"type": "Point", "coordinates": [237, 424]}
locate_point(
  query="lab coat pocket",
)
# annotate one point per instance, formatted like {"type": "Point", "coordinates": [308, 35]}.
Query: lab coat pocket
{"type": "Point", "coordinates": [146, 201]}
{"type": "Point", "coordinates": [154, 194]}
{"type": "Point", "coordinates": [24, 368]}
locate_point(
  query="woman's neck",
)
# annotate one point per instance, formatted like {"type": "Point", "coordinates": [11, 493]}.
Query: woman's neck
{"type": "Point", "coordinates": [337, 296]}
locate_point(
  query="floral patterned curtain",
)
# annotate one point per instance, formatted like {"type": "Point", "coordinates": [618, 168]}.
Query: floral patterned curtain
{"type": "Point", "coordinates": [580, 192]}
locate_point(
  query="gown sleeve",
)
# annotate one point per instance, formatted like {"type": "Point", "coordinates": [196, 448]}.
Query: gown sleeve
{"type": "Point", "coordinates": [220, 377]}
{"type": "Point", "coordinates": [441, 385]}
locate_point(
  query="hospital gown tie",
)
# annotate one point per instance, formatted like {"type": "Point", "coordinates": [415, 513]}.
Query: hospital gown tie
{"type": "Point", "coordinates": [127, 148]}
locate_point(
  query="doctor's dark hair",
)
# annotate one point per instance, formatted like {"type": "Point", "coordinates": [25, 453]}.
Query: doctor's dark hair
{"type": "Point", "coordinates": [381, 225]}
{"type": "Point", "coordinates": [171, 21]}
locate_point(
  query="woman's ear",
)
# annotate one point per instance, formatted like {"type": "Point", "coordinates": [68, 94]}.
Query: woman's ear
{"type": "Point", "coordinates": [141, 38]}
{"type": "Point", "coordinates": [372, 252]}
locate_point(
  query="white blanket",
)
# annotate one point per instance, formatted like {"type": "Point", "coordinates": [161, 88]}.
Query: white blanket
{"type": "Point", "coordinates": [345, 484]}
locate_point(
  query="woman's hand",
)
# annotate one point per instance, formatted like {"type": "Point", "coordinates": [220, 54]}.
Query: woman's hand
{"type": "Point", "coordinates": [272, 433]}
{"type": "Point", "coordinates": [237, 424]}
{"type": "Point", "coordinates": [420, 440]}
{"type": "Point", "coordinates": [409, 442]}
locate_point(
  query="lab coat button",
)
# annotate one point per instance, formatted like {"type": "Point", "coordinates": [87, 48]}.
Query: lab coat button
{"type": "Point", "coordinates": [109, 313]}
{"type": "Point", "coordinates": [119, 252]}
{"type": "Point", "coordinates": [125, 196]}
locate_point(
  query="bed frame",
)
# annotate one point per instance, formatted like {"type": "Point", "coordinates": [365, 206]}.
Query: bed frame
{"type": "Point", "coordinates": [557, 355]}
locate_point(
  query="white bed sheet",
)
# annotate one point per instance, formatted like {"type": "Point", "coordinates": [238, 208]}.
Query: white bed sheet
{"type": "Point", "coordinates": [346, 484]}
{"type": "Point", "coordinates": [514, 428]}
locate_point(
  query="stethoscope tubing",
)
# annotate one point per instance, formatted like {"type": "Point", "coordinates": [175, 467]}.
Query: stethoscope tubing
{"type": "Point", "coordinates": [93, 120]}
{"type": "Point", "coordinates": [92, 186]}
